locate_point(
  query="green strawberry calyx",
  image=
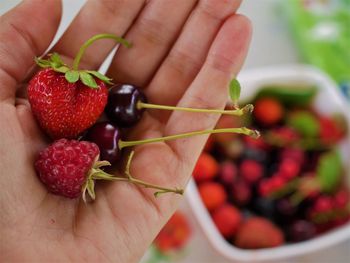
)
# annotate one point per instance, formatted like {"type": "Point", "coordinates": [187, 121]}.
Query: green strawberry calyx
{"type": "Point", "coordinates": [73, 74]}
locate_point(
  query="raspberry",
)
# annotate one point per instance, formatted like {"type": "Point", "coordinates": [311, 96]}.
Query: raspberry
{"type": "Point", "coordinates": [251, 170]}
{"type": "Point", "coordinates": [206, 168]}
{"type": "Point", "coordinates": [63, 166]}
{"type": "Point", "coordinates": [268, 111]}
{"type": "Point", "coordinates": [227, 219]}
{"type": "Point", "coordinates": [213, 194]}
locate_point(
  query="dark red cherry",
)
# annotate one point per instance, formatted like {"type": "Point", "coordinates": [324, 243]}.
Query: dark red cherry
{"type": "Point", "coordinates": [122, 102]}
{"type": "Point", "coordinates": [106, 136]}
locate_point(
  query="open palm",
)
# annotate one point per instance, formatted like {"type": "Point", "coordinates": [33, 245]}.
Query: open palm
{"type": "Point", "coordinates": [184, 53]}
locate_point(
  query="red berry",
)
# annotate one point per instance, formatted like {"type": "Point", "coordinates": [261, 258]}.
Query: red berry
{"type": "Point", "coordinates": [341, 198]}
{"type": "Point", "coordinates": [255, 143]}
{"type": "Point", "coordinates": [268, 111]}
{"type": "Point", "coordinates": [174, 234]}
{"type": "Point", "coordinates": [228, 173]}
{"type": "Point", "coordinates": [258, 232]}
{"type": "Point", "coordinates": [323, 204]}
{"type": "Point", "coordinates": [294, 154]}
{"type": "Point", "coordinates": [206, 168]}
{"type": "Point", "coordinates": [241, 192]}
{"type": "Point", "coordinates": [64, 166]}
{"type": "Point", "coordinates": [251, 170]}
{"type": "Point", "coordinates": [63, 109]}
{"type": "Point", "coordinates": [213, 194]}
{"type": "Point", "coordinates": [331, 132]}
{"type": "Point", "coordinates": [227, 219]}
{"type": "Point", "coordinates": [289, 168]}
{"type": "Point", "coordinates": [265, 187]}
{"type": "Point", "coordinates": [277, 182]}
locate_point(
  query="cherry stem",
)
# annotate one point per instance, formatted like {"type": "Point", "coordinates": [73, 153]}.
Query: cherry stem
{"type": "Point", "coordinates": [92, 40]}
{"type": "Point", "coordinates": [105, 176]}
{"type": "Point", "coordinates": [238, 112]}
{"type": "Point", "coordinates": [243, 130]}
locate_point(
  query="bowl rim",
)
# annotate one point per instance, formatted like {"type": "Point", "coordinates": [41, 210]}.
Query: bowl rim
{"type": "Point", "coordinates": [333, 237]}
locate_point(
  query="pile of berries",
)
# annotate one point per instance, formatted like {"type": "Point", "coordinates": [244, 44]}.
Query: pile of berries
{"type": "Point", "coordinates": [86, 116]}
{"type": "Point", "coordinates": [287, 185]}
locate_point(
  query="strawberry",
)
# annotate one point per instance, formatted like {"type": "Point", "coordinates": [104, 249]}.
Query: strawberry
{"type": "Point", "coordinates": [206, 168]}
{"type": "Point", "coordinates": [65, 167]}
{"type": "Point", "coordinates": [174, 235]}
{"type": "Point", "coordinates": [63, 109]}
{"type": "Point", "coordinates": [268, 111]}
{"type": "Point", "coordinates": [213, 194]}
{"type": "Point", "coordinates": [258, 232]}
{"type": "Point", "coordinates": [227, 219]}
{"type": "Point", "coordinates": [66, 100]}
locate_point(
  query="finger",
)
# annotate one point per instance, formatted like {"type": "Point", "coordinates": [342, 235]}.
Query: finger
{"type": "Point", "coordinates": [210, 88]}
{"type": "Point", "coordinates": [96, 17]}
{"type": "Point", "coordinates": [188, 54]}
{"type": "Point", "coordinates": [23, 36]}
{"type": "Point", "coordinates": [152, 36]}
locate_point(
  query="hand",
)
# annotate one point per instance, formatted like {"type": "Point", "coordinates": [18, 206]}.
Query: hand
{"type": "Point", "coordinates": [183, 53]}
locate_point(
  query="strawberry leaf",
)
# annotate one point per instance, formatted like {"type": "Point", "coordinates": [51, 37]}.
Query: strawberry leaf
{"type": "Point", "coordinates": [329, 170]}
{"type": "Point", "coordinates": [43, 63]}
{"type": "Point", "coordinates": [100, 76]}
{"type": "Point", "coordinates": [72, 76]}
{"type": "Point", "coordinates": [235, 91]}
{"type": "Point", "coordinates": [56, 59]}
{"type": "Point", "coordinates": [88, 80]}
{"type": "Point", "coordinates": [62, 69]}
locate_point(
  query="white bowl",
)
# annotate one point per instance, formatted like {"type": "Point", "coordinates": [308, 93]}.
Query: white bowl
{"type": "Point", "coordinates": [328, 100]}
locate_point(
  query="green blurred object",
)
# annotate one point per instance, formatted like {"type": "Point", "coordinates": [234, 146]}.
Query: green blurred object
{"type": "Point", "coordinates": [329, 171]}
{"type": "Point", "coordinates": [322, 31]}
{"type": "Point", "coordinates": [289, 96]}
{"type": "Point", "coordinates": [305, 123]}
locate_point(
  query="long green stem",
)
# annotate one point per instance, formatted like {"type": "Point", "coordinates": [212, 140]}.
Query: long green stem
{"type": "Point", "coordinates": [243, 130]}
{"type": "Point", "coordinates": [92, 40]}
{"type": "Point", "coordinates": [239, 112]}
{"type": "Point", "coordinates": [98, 174]}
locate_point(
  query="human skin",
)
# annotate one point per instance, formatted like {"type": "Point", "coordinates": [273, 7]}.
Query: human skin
{"type": "Point", "coordinates": [184, 53]}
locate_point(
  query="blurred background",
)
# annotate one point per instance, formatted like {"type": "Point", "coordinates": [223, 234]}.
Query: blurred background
{"type": "Point", "coordinates": [286, 32]}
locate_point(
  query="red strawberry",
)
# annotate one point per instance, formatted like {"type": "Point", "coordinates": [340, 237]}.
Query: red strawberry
{"type": "Point", "coordinates": [63, 109]}
{"type": "Point", "coordinates": [65, 167]}
{"type": "Point", "coordinates": [206, 168]}
{"type": "Point", "coordinates": [213, 194]}
{"type": "Point", "coordinates": [268, 111]}
{"type": "Point", "coordinates": [174, 235]}
{"type": "Point", "coordinates": [258, 232]}
{"type": "Point", "coordinates": [227, 219]}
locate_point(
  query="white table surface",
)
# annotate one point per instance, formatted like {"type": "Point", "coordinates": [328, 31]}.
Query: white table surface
{"type": "Point", "coordinates": [271, 45]}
